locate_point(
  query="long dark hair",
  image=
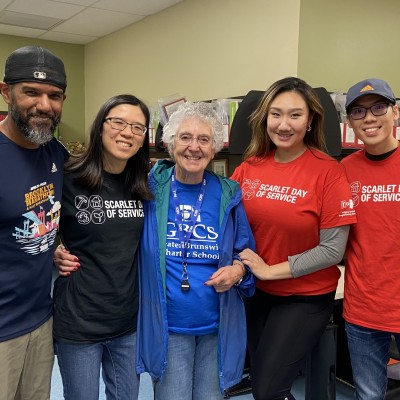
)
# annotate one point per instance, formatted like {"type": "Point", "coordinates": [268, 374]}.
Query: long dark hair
{"type": "Point", "coordinates": [261, 144]}
{"type": "Point", "coordinates": [88, 165]}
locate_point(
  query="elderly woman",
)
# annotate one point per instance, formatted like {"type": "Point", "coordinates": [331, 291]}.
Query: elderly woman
{"type": "Point", "coordinates": [191, 324]}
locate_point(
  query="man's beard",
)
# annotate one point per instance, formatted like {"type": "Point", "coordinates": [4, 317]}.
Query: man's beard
{"type": "Point", "coordinates": [40, 133]}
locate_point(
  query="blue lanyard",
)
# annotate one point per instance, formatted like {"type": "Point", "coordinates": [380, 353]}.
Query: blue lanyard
{"type": "Point", "coordinates": [185, 235]}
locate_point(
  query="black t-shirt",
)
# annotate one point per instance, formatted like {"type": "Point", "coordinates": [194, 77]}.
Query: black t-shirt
{"type": "Point", "coordinates": [100, 300]}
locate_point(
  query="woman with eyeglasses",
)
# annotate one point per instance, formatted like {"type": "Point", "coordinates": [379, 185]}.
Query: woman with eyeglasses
{"type": "Point", "coordinates": [96, 305]}
{"type": "Point", "coordinates": [191, 328]}
{"type": "Point", "coordinates": [298, 202]}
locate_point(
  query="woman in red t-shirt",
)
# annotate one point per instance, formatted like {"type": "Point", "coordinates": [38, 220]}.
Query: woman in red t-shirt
{"type": "Point", "coordinates": [298, 202]}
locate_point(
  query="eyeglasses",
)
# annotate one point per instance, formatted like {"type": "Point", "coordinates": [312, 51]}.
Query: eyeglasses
{"type": "Point", "coordinates": [119, 124]}
{"type": "Point", "coordinates": [185, 139]}
{"type": "Point", "coordinates": [379, 109]}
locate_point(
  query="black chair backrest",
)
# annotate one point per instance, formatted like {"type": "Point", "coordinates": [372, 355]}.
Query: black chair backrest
{"type": "Point", "coordinates": [332, 131]}
{"type": "Point", "coordinates": [240, 134]}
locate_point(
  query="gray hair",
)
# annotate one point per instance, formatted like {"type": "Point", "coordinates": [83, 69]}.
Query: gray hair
{"type": "Point", "coordinates": [198, 110]}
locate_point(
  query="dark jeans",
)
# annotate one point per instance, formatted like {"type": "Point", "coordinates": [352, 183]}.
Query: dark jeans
{"type": "Point", "coordinates": [369, 354]}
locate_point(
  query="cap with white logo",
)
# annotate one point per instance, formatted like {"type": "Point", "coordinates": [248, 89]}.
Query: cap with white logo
{"type": "Point", "coordinates": [35, 64]}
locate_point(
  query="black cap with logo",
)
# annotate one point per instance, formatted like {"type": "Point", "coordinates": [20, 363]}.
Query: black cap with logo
{"type": "Point", "coordinates": [35, 64]}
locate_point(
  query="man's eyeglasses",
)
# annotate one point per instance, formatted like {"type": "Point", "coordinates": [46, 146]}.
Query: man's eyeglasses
{"type": "Point", "coordinates": [359, 112]}
{"type": "Point", "coordinates": [119, 124]}
{"type": "Point", "coordinates": [185, 139]}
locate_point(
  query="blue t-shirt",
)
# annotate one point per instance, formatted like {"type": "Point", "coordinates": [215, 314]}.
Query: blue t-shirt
{"type": "Point", "coordinates": [196, 311]}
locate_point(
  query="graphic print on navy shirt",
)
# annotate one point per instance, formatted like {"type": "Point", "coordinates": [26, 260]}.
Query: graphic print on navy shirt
{"type": "Point", "coordinates": [39, 229]}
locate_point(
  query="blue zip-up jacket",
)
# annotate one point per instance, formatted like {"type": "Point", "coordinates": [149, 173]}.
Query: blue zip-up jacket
{"type": "Point", "coordinates": [235, 235]}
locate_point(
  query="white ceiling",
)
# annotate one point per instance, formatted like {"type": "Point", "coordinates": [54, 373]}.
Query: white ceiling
{"type": "Point", "coordinates": [73, 21]}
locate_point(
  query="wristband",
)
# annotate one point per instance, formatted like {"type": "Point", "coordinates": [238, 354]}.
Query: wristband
{"type": "Point", "coordinates": [239, 282]}
{"type": "Point", "coordinates": [237, 262]}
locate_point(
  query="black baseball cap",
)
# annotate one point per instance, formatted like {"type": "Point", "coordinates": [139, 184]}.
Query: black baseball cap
{"type": "Point", "coordinates": [35, 64]}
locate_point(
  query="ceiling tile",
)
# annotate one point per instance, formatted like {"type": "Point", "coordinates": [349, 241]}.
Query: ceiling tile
{"type": "Point", "coordinates": [27, 20]}
{"type": "Point", "coordinates": [105, 17]}
{"type": "Point", "coordinates": [20, 31]}
{"type": "Point", "coordinates": [84, 3]}
{"type": "Point", "coordinates": [101, 22]}
{"type": "Point", "coordinates": [67, 37]}
{"type": "Point", "coordinates": [45, 8]}
{"type": "Point", "coordinates": [4, 4]}
{"type": "Point", "coordinates": [140, 7]}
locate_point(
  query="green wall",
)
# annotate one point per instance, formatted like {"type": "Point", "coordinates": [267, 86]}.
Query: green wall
{"type": "Point", "coordinates": [202, 49]}
{"type": "Point", "coordinates": [342, 42]}
{"type": "Point", "coordinates": [206, 49]}
{"type": "Point", "coordinates": [72, 127]}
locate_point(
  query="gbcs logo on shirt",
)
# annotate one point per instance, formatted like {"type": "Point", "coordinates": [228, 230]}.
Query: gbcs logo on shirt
{"type": "Point", "coordinates": [200, 231]}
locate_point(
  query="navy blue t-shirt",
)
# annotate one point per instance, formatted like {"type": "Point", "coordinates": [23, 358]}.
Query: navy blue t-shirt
{"type": "Point", "coordinates": [30, 196]}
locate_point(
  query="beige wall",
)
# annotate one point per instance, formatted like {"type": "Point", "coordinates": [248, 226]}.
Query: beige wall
{"type": "Point", "coordinates": [344, 41]}
{"type": "Point", "coordinates": [73, 119]}
{"type": "Point", "coordinates": [202, 49]}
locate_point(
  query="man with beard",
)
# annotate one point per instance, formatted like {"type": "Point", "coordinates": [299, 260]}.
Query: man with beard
{"type": "Point", "coordinates": [31, 170]}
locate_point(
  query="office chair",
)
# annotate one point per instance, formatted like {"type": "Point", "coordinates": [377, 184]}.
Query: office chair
{"type": "Point", "coordinates": [240, 134]}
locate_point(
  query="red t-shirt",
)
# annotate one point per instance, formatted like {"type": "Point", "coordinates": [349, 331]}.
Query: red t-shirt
{"type": "Point", "coordinates": [287, 204]}
{"type": "Point", "coordinates": [372, 279]}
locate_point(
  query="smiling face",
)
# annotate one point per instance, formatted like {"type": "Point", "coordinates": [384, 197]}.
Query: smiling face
{"type": "Point", "coordinates": [376, 132]}
{"type": "Point", "coordinates": [35, 111]}
{"type": "Point", "coordinates": [287, 122]}
{"type": "Point", "coordinates": [120, 146]}
{"type": "Point", "coordinates": [193, 157]}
